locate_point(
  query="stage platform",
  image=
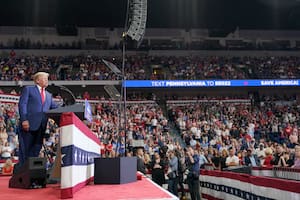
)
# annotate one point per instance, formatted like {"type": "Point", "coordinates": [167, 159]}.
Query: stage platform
{"type": "Point", "coordinates": [143, 189]}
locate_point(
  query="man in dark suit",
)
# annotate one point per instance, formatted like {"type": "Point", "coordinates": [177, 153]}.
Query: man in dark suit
{"type": "Point", "coordinates": [34, 102]}
{"type": "Point", "coordinates": [140, 160]}
{"type": "Point", "coordinates": [251, 159]}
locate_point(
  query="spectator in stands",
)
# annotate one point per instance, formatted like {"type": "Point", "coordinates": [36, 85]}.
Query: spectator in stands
{"type": "Point", "coordinates": [11, 134]}
{"type": "Point", "coordinates": [86, 95]}
{"type": "Point", "coordinates": [193, 166]}
{"type": "Point", "coordinates": [278, 153]}
{"type": "Point", "coordinates": [251, 159]}
{"type": "Point", "coordinates": [13, 92]}
{"type": "Point", "coordinates": [158, 169]}
{"type": "Point", "coordinates": [140, 160]}
{"type": "Point", "coordinates": [260, 153]}
{"type": "Point", "coordinates": [147, 160]}
{"type": "Point", "coordinates": [208, 153]}
{"type": "Point", "coordinates": [202, 160]}
{"type": "Point", "coordinates": [232, 160]}
{"type": "Point", "coordinates": [285, 160]}
{"type": "Point", "coordinates": [172, 172]}
{"type": "Point", "coordinates": [6, 151]}
{"type": "Point", "coordinates": [241, 154]}
{"type": "Point", "coordinates": [179, 152]}
{"type": "Point", "coordinates": [268, 158]}
{"type": "Point", "coordinates": [3, 135]}
{"type": "Point", "coordinates": [224, 155]}
{"type": "Point", "coordinates": [216, 160]}
{"type": "Point", "coordinates": [8, 167]}
{"type": "Point", "coordinates": [33, 122]}
{"type": "Point", "coordinates": [297, 157]}
{"type": "Point", "coordinates": [109, 149]}
{"type": "Point", "coordinates": [121, 147]}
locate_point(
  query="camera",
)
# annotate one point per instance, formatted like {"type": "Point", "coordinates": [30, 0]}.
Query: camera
{"type": "Point", "coordinates": [187, 171]}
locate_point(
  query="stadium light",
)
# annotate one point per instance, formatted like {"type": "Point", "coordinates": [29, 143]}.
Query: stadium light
{"type": "Point", "coordinates": [112, 92]}
{"type": "Point", "coordinates": [112, 67]}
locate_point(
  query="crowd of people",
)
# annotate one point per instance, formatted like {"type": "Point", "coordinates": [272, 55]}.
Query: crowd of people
{"type": "Point", "coordinates": [88, 67]}
{"type": "Point", "coordinates": [8, 127]}
{"type": "Point", "coordinates": [144, 122]}
{"type": "Point", "coordinates": [22, 68]}
{"type": "Point", "coordinates": [255, 135]}
{"type": "Point", "coordinates": [191, 68]}
{"type": "Point", "coordinates": [223, 134]}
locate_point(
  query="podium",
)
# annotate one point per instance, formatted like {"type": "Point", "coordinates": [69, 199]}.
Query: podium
{"type": "Point", "coordinates": [79, 146]}
{"type": "Point", "coordinates": [55, 114]}
{"type": "Point", "coordinates": [77, 109]}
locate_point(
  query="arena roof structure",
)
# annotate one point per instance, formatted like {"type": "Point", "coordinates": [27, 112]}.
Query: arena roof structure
{"type": "Point", "coordinates": [213, 14]}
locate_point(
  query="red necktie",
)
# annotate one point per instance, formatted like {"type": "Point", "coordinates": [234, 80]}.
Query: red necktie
{"type": "Point", "coordinates": [43, 95]}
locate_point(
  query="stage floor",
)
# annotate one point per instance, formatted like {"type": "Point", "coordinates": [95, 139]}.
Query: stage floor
{"type": "Point", "coordinates": [143, 189]}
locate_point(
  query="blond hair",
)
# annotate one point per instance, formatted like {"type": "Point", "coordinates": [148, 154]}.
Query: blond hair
{"type": "Point", "coordinates": [268, 151]}
{"type": "Point", "coordinates": [38, 74]}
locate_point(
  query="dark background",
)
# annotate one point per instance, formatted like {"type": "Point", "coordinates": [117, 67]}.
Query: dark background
{"type": "Point", "coordinates": [225, 14]}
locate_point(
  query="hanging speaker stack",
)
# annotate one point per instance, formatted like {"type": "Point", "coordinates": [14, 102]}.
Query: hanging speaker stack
{"type": "Point", "coordinates": [137, 19]}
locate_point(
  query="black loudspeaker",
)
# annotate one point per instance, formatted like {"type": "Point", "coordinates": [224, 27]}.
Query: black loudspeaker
{"type": "Point", "coordinates": [30, 175]}
{"type": "Point", "coordinates": [115, 170]}
{"type": "Point", "coordinates": [137, 19]}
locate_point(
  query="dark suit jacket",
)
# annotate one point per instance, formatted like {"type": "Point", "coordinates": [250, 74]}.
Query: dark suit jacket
{"type": "Point", "coordinates": [32, 109]}
{"type": "Point", "coordinates": [141, 165]}
{"type": "Point", "coordinates": [248, 161]}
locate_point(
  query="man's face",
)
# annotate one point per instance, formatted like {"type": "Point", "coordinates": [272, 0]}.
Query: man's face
{"type": "Point", "coordinates": [140, 152]}
{"type": "Point", "coordinates": [249, 153]}
{"type": "Point", "coordinates": [231, 152]}
{"type": "Point", "coordinates": [42, 81]}
{"type": "Point", "coordinates": [279, 149]}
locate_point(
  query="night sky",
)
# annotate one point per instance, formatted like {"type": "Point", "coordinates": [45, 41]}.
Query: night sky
{"type": "Point", "coordinates": [228, 14]}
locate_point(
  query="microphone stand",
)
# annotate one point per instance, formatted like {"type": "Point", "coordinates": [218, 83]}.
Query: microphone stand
{"type": "Point", "coordinates": [123, 87]}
